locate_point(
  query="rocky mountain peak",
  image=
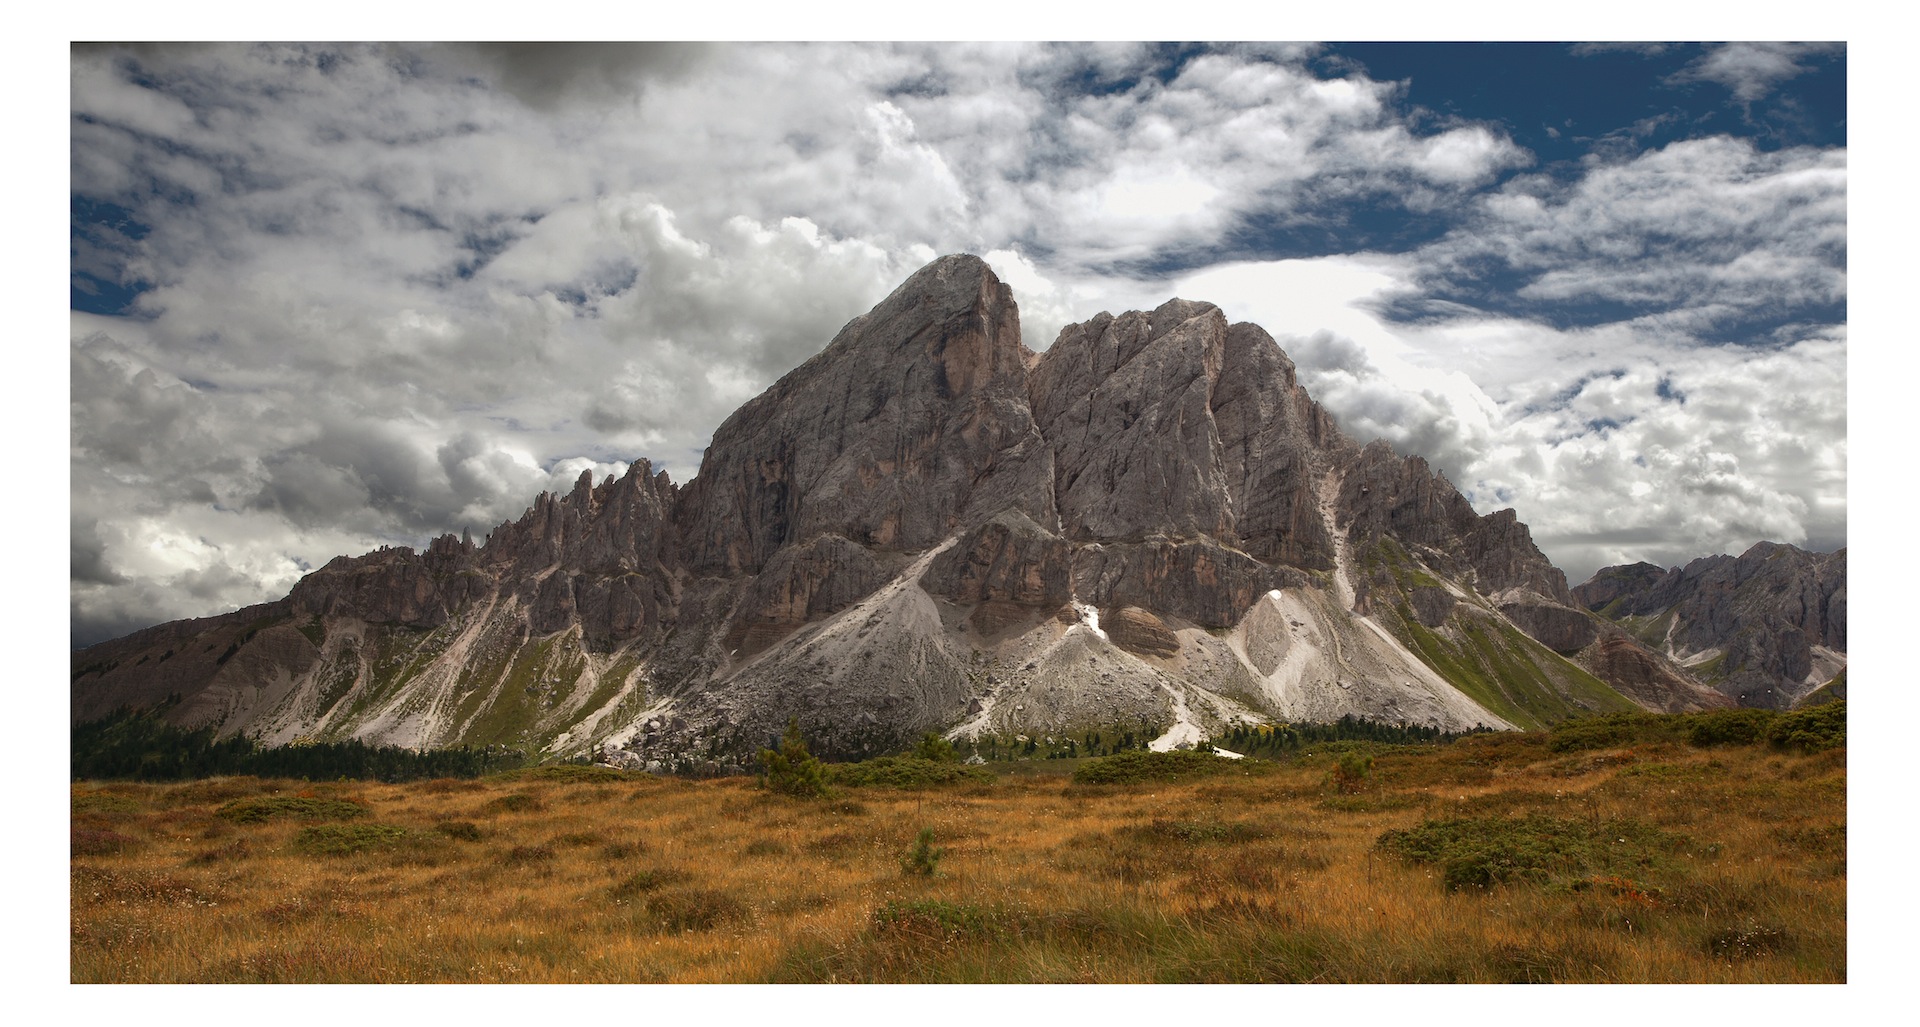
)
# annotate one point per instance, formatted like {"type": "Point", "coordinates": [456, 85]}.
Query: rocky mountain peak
{"type": "Point", "coordinates": [913, 419]}
{"type": "Point", "coordinates": [924, 526]}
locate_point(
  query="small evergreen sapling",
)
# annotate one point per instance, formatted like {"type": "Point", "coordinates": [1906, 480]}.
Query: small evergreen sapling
{"type": "Point", "coordinates": [793, 770]}
{"type": "Point", "coordinates": [923, 859]}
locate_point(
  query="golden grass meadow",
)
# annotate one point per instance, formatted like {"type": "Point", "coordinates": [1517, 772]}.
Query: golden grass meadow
{"type": "Point", "coordinates": [1495, 858]}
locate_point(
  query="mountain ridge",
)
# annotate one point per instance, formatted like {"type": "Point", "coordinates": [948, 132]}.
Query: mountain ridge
{"type": "Point", "coordinates": [1767, 627]}
{"type": "Point", "coordinates": [926, 526]}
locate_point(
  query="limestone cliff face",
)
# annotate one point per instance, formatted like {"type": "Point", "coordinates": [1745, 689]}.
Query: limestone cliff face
{"type": "Point", "coordinates": [912, 422]}
{"type": "Point", "coordinates": [1765, 628]}
{"type": "Point", "coordinates": [925, 526]}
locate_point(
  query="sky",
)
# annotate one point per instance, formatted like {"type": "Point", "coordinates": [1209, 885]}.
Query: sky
{"type": "Point", "coordinates": [326, 298]}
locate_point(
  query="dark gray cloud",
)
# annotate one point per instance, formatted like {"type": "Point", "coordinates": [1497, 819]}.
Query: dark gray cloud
{"type": "Point", "coordinates": [544, 75]}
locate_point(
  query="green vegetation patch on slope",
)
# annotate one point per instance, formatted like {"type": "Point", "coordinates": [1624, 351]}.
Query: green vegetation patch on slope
{"type": "Point", "coordinates": [395, 654]}
{"type": "Point", "coordinates": [516, 706]}
{"type": "Point", "coordinates": [1406, 571]}
{"type": "Point", "coordinates": [1513, 676]}
{"type": "Point", "coordinates": [606, 687]}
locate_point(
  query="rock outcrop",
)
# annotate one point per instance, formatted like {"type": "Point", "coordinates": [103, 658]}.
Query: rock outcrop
{"type": "Point", "coordinates": [1151, 528]}
{"type": "Point", "coordinates": [1765, 628]}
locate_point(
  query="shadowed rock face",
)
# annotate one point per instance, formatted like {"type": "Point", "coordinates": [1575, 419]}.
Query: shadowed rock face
{"type": "Point", "coordinates": [1765, 628]}
{"type": "Point", "coordinates": [923, 527]}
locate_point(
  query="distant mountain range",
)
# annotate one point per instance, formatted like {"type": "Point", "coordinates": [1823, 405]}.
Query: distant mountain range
{"type": "Point", "coordinates": [1767, 627]}
{"type": "Point", "coordinates": [1150, 528]}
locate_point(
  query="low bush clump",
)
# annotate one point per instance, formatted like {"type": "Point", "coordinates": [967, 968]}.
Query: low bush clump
{"type": "Point", "coordinates": [1479, 852]}
{"type": "Point", "coordinates": [1813, 729]}
{"type": "Point", "coordinates": [935, 918]}
{"type": "Point", "coordinates": [348, 839]}
{"type": "Point", "coordinates": [296, 807]}
{"type": "Point", "coordinates": [1195, 832]}
{"type": "Point", "coordinates": [528, 856]}
{"type": "Point", "coordinates": [518, 802]}
{"type": "Point", "coordinates": [1729, 727]}
{"type": "Point", "coordinates": [1136, 766]}
{"type": "Point", "coordinates": [462, 830]}
{"type": "Point", "coordinates": [105, 803]}
{"type": "Point", "coordinates": [1611, 731]}
{"type": "Point", "coordinates": [905, 772]}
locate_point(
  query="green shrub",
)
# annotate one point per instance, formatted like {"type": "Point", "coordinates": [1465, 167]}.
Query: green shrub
{"type": "Point", "coordinates": [1611, 731]}
{"type": "Point", "coordinates": [1138, 765]}
{"type": "Point", "coordinates": [1479, 852]}
{"type": "Point", "coordinates": [348, 839]}
{"type": "Point", "coordinates": [935, 748]}
{"type": "Point", "coordinates": [104, 803]}
{"type": "Point", "coordinates": [1350, 774]}
{"type": "Point", "coordinates": [269, 807]}
{"type": "Point", "coordinates": [935, 918]}
{"type": "Point", "coordinates": [905, 772]}
{"type": "Point", "coordinates": [518, 802]}
{"type": "Point", "coordinates": [1729, 727]}
{"type": "Point", "coordinates": [792, 770]}
{"type": "Point", "coordinates": [463, 830]}
{"type": "Point", "coordinates": [922, 858]}
{"type": "Point", "coordinates": [1195, 832]}
{"type": "Point", "coordinates": [1813, 729]}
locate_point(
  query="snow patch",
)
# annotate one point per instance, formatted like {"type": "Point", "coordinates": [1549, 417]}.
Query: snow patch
{"type": "Point", "coordinates": [1090, 617]}
{"type": "Point", "coordinates": [1184, 729]}
{"type": "Point", "coordinates": [977, 724]}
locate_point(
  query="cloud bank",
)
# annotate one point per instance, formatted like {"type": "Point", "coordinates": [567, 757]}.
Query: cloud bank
{"type": "Point", "coordinates": [329, 298]}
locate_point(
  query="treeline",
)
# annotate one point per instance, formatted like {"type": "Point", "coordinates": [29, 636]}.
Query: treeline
{"type": "Point", "coordinates": [1282, 739]}
{"type": "Point", "coordinates": [1246, 739]}
{"type": "Point", "coordinates": [140, 746]}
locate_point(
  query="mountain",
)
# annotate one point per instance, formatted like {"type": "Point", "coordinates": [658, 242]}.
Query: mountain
{"type": "Point", "coordinates": [1150, 528]}
{"type": "Point", "coordinates": [1767, 627]}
